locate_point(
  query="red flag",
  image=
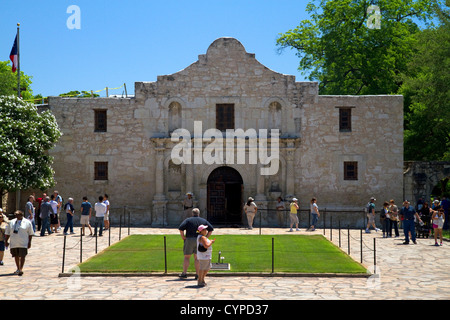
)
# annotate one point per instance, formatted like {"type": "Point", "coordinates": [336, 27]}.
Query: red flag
{"type": "Point", "coordinates": [14, 56]}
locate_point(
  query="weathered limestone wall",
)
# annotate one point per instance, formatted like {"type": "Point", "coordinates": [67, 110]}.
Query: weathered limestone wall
{"type": "Point", "coordinates": [125, 147]}
{"type": "Point", "coordinates": [375, 142]}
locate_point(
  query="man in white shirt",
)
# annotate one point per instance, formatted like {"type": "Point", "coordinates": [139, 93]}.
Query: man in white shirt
{"type": "Point", "coordinates": [106, 201]}
{"type": "Point", "coordinates": [100, 210]}
{"type": "Point", "coordinates": [54, 216]}
{"type": "Point", "coordinates": [18, 235]}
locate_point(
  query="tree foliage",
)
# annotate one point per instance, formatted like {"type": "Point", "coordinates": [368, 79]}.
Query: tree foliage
{"type": "Point", "coordinates": [8, 82]}
{"type": "Point", "coordinates": [426, 89]}
{"type": "Point", "coordinates": [339, 51]}
{"type": "Point", "coordinates": [25, 137]}
{"type": "Point", "coordinates": [78, 94]}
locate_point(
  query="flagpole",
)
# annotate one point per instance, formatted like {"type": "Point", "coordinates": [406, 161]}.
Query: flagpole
{"type": "Point", "coordinates": [18, 61]}
{"type": "Point", "coordinates": [18, 193]}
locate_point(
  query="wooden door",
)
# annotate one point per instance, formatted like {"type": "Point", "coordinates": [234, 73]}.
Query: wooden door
{"type": "Point", "coordinates": [224, 196]}
{"type": "Point", "coordinates": [216, 202]}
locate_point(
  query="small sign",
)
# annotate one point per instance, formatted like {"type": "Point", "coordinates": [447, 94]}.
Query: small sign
{"type": "Point", "coordinates": [220, 266]}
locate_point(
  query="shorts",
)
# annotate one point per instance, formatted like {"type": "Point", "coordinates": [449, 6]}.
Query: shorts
{"type": "Point", "coordinates": [190, 246]}
{"type": "Point", "coordinates": [439, 225]}
{"type": "Point", "coordinates": [204, 265]}
{"type": "Point", "coordinates": [371, 218]}
{"type": "Point", "coordinates": [293, 217]}
{"type": "Point", "coordinates": [106, 218]}
{"type": "Point", "coordinates": [53, 219]}
{"type": "Point", "coordinates": [18, 252]}
{"type": "Point", "coordinates": [84, 220]}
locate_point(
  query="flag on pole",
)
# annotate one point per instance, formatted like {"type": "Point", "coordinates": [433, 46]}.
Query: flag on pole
{"type": "Point", "coordinates": [14, 56]}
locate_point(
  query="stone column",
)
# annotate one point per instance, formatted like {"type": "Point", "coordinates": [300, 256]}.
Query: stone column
{"type": "Point", "coordinates": [159, 217]}
{"type": "Point", "coordinates": [189, 168]}
{"type": "Point", "coordinates": [260, 181]}
{"type": "Point", "coordinates": [290, 173]}
{"type": "Point", "coordinates": [159, 174]}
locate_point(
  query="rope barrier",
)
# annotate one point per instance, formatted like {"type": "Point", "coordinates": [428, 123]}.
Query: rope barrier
{"type": "Point", "coordinates": [76, 244]}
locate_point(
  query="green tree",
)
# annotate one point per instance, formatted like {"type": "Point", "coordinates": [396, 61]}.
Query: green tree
{"type": "Point", "coordinates": [338, 49]}
{"type": "Point", "coordinates": [8, 82]}
{"type": "Point", "coordinates": [78, 94]}
{"type": "Point", "coordinates": [25, 138]}
{"type": "Point", "coordinates": [426, 88]}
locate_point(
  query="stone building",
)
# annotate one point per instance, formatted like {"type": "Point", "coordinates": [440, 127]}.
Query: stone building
{"type": "Point", "coordinates": [340, 149]}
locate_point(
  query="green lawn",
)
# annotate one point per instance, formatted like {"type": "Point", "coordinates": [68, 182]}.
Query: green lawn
{"type": "Point", "coordinates": [244, 253]}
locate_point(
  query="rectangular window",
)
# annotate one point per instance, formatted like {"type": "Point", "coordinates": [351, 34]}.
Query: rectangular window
{"type": "Point", "coordinates": [101, 170]}
{"type": "Point", "coordinates": [100, 120]}
{"type": "Point", "coordinates": [350, 170]}
{"type": "Point", "coordinates": [224, 116]}
{"type": "Point", "coordinates": [345, 119]}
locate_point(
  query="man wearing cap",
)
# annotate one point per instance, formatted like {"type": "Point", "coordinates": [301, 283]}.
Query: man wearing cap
{"type": "Point", "coordinates": [46, 211]}
{"type": "Point", "coordinates": [18, 235]}
{"type": "Point", "coordinates": [371, 215]}
{"type": "Point", "coordinates": [293, 215]}
{"type": "Point", "coordinates": [250, 210]}
{"type": "Point", "coordinates": [188, 232]}
{"type": "Point", "coordinates": [408, 213]}
{"type": "Point", "coordinates": [188, 204]}
{"type": "Point", "coordinates": [70, 210]}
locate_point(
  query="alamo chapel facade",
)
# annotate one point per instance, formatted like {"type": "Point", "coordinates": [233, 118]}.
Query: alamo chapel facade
{"type": "Point", "coordinates": [340, 149]}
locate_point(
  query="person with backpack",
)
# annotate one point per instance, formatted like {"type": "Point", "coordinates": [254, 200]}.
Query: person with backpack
{"type": "Point", "coordinates": [70, 210]}
{"type": "Point", "coordinates": [370, 210]}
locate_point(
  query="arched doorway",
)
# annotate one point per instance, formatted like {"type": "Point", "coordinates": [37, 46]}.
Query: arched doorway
{"type": "Point", "coordinates": [225, 188]}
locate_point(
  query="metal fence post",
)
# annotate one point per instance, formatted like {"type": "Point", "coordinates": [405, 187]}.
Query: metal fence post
{"type": "Point", "coordinates": [348, 239]}
{"type": "Point", "coordinates": [273, 255]}
{"type": "Point", "coordinates": [81, 245]}
{"type": "Point", "coordinates": [339, 225]}
{"type": "Point", "coordinates": [120, 227]}
{"type": "Point", "coordinates": [129, 221]}
{"type": "Point", "coordinates": [331, 227]}
{"type": "Point", "coordinates": [374, 256]}
{"type": "Point", "coordinates": [165, 255]}
{"type": "Point", "coordinates": [360, 236]}
{"type": "Point", "coordinates": [64, 254]}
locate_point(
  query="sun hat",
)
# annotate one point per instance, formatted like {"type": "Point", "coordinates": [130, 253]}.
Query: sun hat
{"type": "Point", "coordinates": [201, 228]}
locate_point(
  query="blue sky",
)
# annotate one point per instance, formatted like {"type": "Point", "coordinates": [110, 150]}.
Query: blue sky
{"type": "Point", "coordinates": [137, 40]}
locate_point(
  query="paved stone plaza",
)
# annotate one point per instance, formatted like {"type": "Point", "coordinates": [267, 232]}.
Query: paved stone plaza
{"type": "Point", "coordinates": [413, 272]}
